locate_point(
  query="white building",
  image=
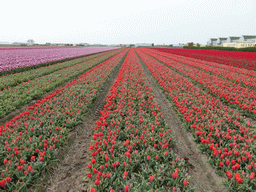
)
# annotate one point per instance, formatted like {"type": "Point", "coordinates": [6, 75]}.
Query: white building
{"type": "Point", "coordinates": [143, 44]}
{"type": "Point", "coordinates": [180, 45]}
{"type": "Point", "coordinates": [222, 40]}
{"type": "Point", "coordinates": [4, 42]}
{"type": "Point", "coordinates": [212, 41]}
{"type": "Point", "coordinates": [232, 39]}
{"type": "Point", "coordinates": [248, 38]}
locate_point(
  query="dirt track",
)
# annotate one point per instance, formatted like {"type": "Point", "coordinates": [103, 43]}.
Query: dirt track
{"type": "Point", "coordinates": [202, 174]}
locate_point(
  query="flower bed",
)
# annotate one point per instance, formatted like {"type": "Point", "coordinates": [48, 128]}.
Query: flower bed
{"type": "Point", "coordinates": [227, 137]}
{"type": "Point", "coordinates": [230, 93]}
{"type": "Point", "coordinates": [131, 148]}
{"type": "Point", "coordinates": [238, 75]}
{"type": "Point", "coordinates": [231, 58]}
{"type": "Point", "coordinates": [14, 97]}
{"type": "Point", "coordinates": [29, 141]}
{"type": "Point", "coordinates": [20, 58]}
{"type": "Point", "coordinates": [32, 47]}
{"type": "Point", "coordinates": [14, 79]}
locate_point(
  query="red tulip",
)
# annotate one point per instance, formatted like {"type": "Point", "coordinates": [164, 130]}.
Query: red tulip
{"type": "Point", "coordinates": [97, 182]}
{"type": "Point", "coordinates": [126, 189]}
{"type": "Point", "coordinates": [93, 161]}
{"type": "Point", "coordinates": [229, 174]}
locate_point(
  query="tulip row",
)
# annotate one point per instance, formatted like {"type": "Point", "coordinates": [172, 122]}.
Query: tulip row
{"type": "Point", "coordinates": [20, 58]}
{"type": "Point", "coordinates": [14, 97]}
{"type": "Point", "coordinates": [227, 137]}
{"type": "Point", "coordinates": [231, 58]}
{"type": "Point", "coordinates": [34, 47]}
{"type": "Point", "coordinates": [131, 148]}
{"type": "Point", "coordinates": [14, 79]}
{"type": "Point", "coordinates": [237, 75]}
{"type": "Point", "coordinates": [218, 65]}
{"type": "Point", "coordinates": [29, 141]}
{"type": "Point", "coordinates": [231, 93]}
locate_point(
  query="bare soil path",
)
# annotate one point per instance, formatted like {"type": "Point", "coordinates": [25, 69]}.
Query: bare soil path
{"type": "Point", "coordinates": [203, 176]}
{"type": "Point", "coordinates": [70, 173]}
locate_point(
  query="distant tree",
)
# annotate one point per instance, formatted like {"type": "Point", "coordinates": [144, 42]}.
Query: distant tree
{"type": "Point", "coordinates": [30, 42]}
{"type": "Point", "coordinates": [152, 44]}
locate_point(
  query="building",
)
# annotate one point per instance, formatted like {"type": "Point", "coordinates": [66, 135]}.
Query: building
{"type": "Point", "coordinates": [190, 44]}
{"type": "Point", "coordinates": [212, 41]}
{"type": "Point", "coordinates": [18, 44]}
{"type": "Point", "coordinates": [97, 45]}
{"type": "Point", "coordinates": [144, 44]}
{"type": "Point", "coordinates": [222, 40]}
{"type": "Point", "coordinates": [163, 45]}
{"type": "Point", "coordinates": [240, 45]}
{"type": "Point", "coordinates": [233, 41]}
{"type": "Point", "coordinates": [58, 44]}
{"type": "Point", "coordinates": [4, 44]}
{"type": "Point", "coordinates": [124, 45]}
{"type": "Point", "coordinates": [248, 38]}
{"type": "Point", "coordinates": [112, 45]}
{"type": "Point", "coordinates": [180, 45]}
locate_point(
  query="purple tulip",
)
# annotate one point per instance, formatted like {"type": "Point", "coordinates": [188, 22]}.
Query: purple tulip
{"type": "Point", "coordinates": [26, 57]}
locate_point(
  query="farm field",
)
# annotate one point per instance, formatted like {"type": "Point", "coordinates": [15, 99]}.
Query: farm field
{"type": "Point", "coordinates": [244, 60]}
{"type": "Point", "coordinates": [129, 119]}
{"type": "Point", "coordinates": [16, 96]}
{"type": "Point", "coordinates": [32, 47]}
{"type": "Point", "coordinates": [11, 59]}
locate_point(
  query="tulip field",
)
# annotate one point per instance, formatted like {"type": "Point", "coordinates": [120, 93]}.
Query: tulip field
{"type": "Point", "coordinates": [132, 150]}
{"type": "Point", "coordinates": [11, 59]}
{"type": "Point", "coordinates": [29, 89]}
{"type": "Point", "coordinates": [244, 60]}
{"type": "Point", "coordinates": [29, 140]}
{"type": "Point", "coordinates": [132, 146]}
{"type": "Point", "coordinates": [225, 135]}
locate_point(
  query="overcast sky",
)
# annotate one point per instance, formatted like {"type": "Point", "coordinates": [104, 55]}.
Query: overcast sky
{"type": "Point", "coordinates": [132, 21]}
